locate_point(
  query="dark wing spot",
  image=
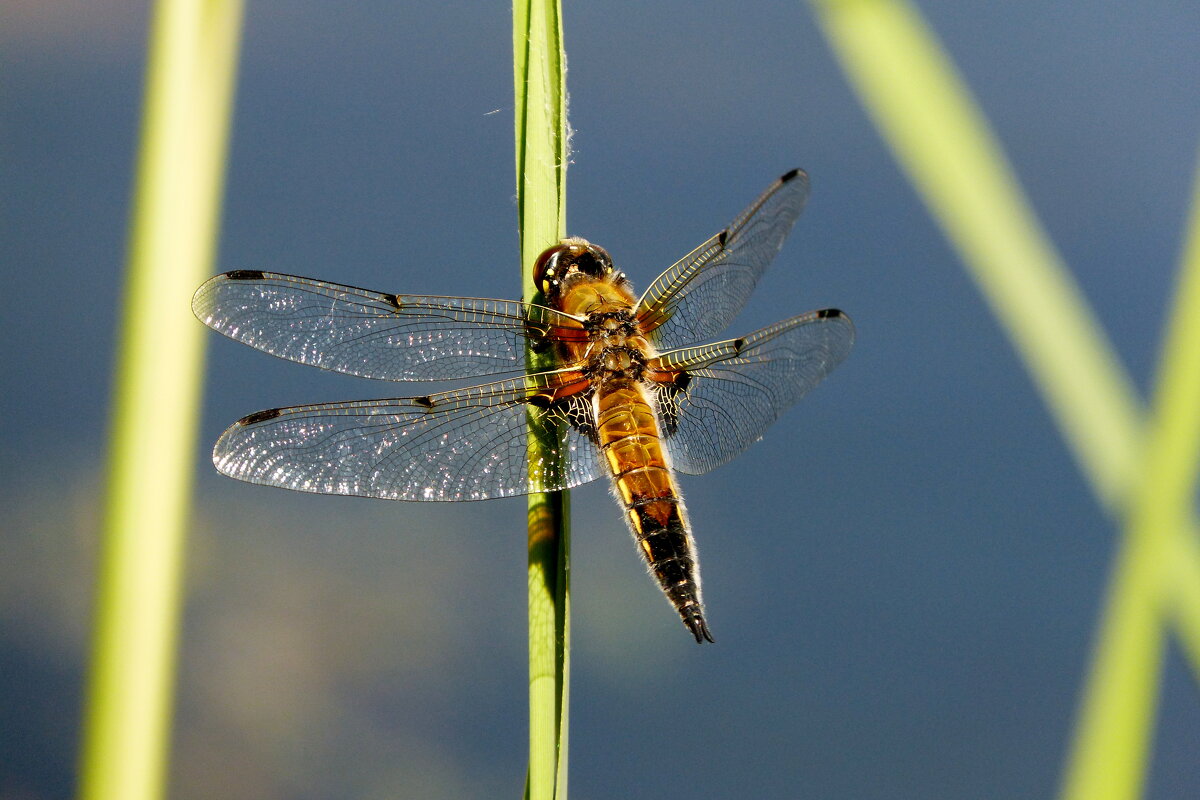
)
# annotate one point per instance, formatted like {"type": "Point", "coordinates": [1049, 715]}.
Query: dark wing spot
{"type": "Point", "coordinates": [578, 411]}
{"type": "Point", "coordinates": [246, 275]}
{"type": "Point", "coordinates": [738, 344]}
{"type": "Point", "coordinates": [539, 340]}
{"type": "Point", "coordinates": [721, 237]}
{"type": "Point", "coordinates": [394, 299]}
{"type": "Point", "coordinates": [830, 313]}
{"type": "Point", "coordinates": [259, 416]}
{"type": "Point", "coordinates": [787, 176]}
{"type": "Point", "coordinates": [540, 400]}
{"type": "Point", "coordinates": [669, 409]}
{"type": "Point", "coordinates": [424, 401]}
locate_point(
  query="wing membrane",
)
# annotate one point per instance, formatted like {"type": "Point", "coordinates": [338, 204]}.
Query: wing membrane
{"type": "Point", "coordinates": [738, 387]}
{"type": "Point", "coordinates": [699, 296]}
{"type": "Point", "coordinates": [371, 334]}
{"type": "Point", "coordinates": [467, 444]}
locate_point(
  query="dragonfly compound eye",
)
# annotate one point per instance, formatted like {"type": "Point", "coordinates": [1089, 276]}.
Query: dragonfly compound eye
{"type": "Point", "coordinates": [547, 271]}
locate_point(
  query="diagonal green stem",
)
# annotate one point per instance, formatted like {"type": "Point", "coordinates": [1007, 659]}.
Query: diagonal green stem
{"type": "Point", "coordinates": [541, 149]}
{"type": "Point", "coordinates": [1178, 405]}
{"type": "Point", "coordinates": [1115, 730]}
{"type": "Point", "coordinates": [925, 114]}
{"type": "Point", "coordinates": [185, 128]}
{"type": "Point", "coordinates": [940, 138]}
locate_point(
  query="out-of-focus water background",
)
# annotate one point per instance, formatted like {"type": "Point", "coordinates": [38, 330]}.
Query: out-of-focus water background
{"type": "Point", "coordinates": [902, 577]}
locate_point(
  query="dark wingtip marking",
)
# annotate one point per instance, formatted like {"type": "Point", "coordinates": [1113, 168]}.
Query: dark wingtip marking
{"type": "Point", "coordinates": [394, 299]}
{"type": "Point", "coordinates": [425, 401]}
{"type": "Point", "coordinates": [738, 344]}
{"type": "Point", "coordinates": [259, 416]}
{"type": "Point", "coordinates": [787, 176]}
{"type": "Point", "coordinates": [721, 237]}
{"type": "Point", "coordinates": [829, 313]}
{"type": "Point", "coordinates": [245, 275]}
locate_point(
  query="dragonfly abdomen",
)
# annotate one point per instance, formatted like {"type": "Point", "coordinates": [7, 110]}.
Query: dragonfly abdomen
{"type": "Point", "coordinates": [628, 434]}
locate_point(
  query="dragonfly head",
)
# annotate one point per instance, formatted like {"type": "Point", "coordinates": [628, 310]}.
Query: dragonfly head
{"type": "Point", "coordinates": [568, 261]}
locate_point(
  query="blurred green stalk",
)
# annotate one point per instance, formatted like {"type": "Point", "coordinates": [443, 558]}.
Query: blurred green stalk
{"type": "Point", "coordinates": [1177, 409]}
{"type": "Point", "coordinates": [926, 116]}
{"type": "Point", "coordinates": [1114, 736]}
{"type": "Point", "coordinates": [541, 148]}
{"type": "Point", "coordinates": [188, 101]}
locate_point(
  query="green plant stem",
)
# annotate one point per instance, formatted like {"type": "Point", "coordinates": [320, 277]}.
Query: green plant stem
{"type": "Point", "coordinates": [1115, 730]}
{"type": "Point", "coordinates": [939, 137]}
{"type": "Point", "coordinates": [925, 114]}
{"type": "Point", "coordinates": [188, 100]}
{"type": "Point", "coordinates": [1177, 410]}
{"type": "Point", "coordinates": [541, 156]}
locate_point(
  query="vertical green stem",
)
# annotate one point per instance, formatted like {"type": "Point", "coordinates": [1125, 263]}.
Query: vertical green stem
{"type": "Point", "coordinates": [541, 155]}
{"type": "Point", "coordinates": [188, 100]}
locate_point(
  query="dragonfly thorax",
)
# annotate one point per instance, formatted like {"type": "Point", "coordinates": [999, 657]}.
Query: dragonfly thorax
{"type": "Point", "coordinates": [610, 327]}
{"type": "Point", "coordinates": [616, 362]}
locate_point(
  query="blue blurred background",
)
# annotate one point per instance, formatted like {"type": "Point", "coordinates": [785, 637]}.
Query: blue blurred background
{"type": "Point", "coordinates": [902, 578]}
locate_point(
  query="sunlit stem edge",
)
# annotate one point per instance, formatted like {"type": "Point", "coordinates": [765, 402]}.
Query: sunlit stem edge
{"type": "Point", "coordinates": [187, 106]}
{"type": "Point", "coordinates": [541, 158]}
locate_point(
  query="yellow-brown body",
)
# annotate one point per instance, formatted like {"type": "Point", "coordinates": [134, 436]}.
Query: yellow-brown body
{"type": "Point", "coordinates": [625, 423]}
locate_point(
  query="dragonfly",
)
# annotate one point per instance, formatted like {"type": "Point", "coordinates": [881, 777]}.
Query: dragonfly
{"type": "Point", "coordinates": [629, 390]}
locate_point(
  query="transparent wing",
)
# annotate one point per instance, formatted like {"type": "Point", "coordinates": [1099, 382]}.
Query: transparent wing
{"type": "Point", "coordinates": [737, 388]}
{"type": "Point", "coordinates": [467, 444]}
{"type": "Point", "coordinates": [699, 296]}
{"type": "Point", "coordinates": [371, 334]}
